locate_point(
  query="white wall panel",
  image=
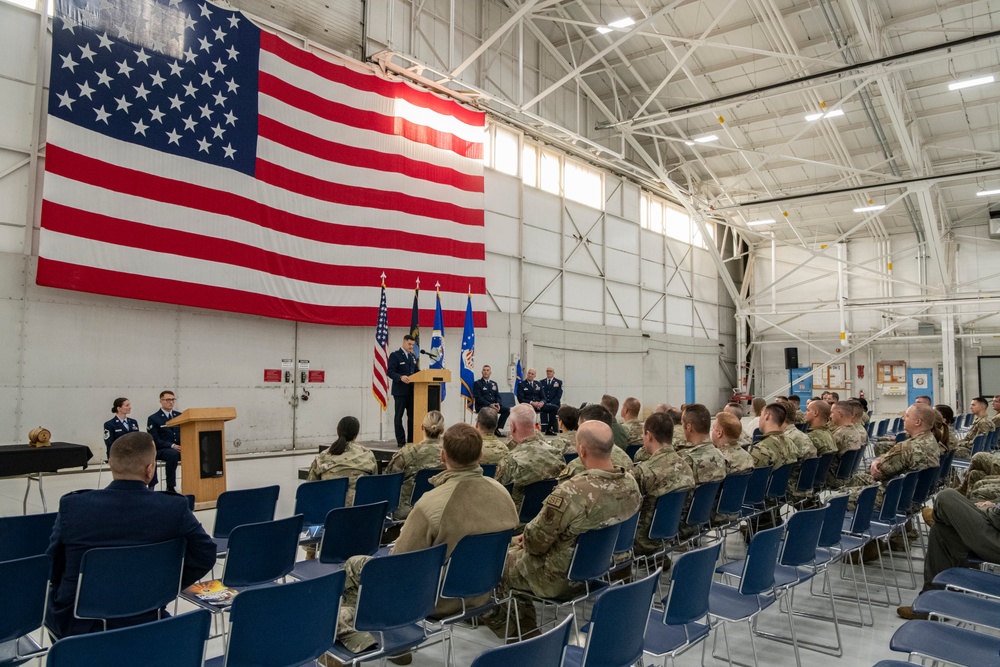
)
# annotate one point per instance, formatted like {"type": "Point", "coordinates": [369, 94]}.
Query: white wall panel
{"type": "Point", "coordinates": [622, 266]}
{"type": "Point", "coordinates": [541, 245]}
{"type": "Point", "coordinates": [504, 196]}
{"type": "Point", "coordinates": [501, 233]}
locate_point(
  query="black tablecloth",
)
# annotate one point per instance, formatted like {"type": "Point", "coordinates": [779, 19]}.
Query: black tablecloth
{"type": "Point", "coordinates": [22, 459]}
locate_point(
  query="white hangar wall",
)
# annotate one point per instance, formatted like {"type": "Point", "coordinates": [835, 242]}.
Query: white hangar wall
{"type": "Point", "coordinates": [625, 312]}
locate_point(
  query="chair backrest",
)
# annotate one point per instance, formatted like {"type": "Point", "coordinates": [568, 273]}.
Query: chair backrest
{"type": "Point", "coordinates": [691, 577]}
{"type": "Point", "coordinates": [422, 483]}
{"type": "Point", "coordinates": [901, 436]}
{"type": "Point", "coordinates": [890, 499]}
{"type": "Point", "coordinates": [543, 651]}
{"type": "Point", "coordinates": [756, 436]}
{"type": "Point", "coordinates": [823, 469]}
{"type": "Point", "coordinates": [946, 462]}
{"type": "Point", "coordinates": [757, 486]}
{"type": "Point", "coordinates": [260, 553]}
{"type": "Point", "coordinates": [289, 624]}
{"type": "Point", "coordinates": [906, 494]}
{"type": "Point", "coordinates": [631, 450]}
{"type": "Point", "coordinates": [27, 583]}
{"type": "Point", "coordinates": [957, 424]}
{"type": "Point", "coordinates": [376, 488]}
{"type": "Point", "coordinates": [352, 531]}
{"type": "Point", "coordinates": [399, 589]}
{"type": "Point", "coordinates": [926, 479]}
{"type": "Point", "coordinates": [235, 508]}
{"type": "Point", "coordinates": [476, 565]}
{"type": "Point", "coordinates": [489, 470]}
{"type": "Point", "coordinates": [626, 534]}
{"type": "Point", "coordinates": [152, 572]}
{"type": "Point", "coordinates": [762, 556]}
{"type": "Point", "coordinates": [969, 417]}
{"type": "Point", "coordinates": [568, 458]}
{"type": "Point", "coordinates": [836, 510]}
{"type": "Point", "coordinates": [777, 486]}
{"type": "Point", "coordinates": [534, 495]}
{"type": "Point", "coordinates": [172, 642]}
{"type": "Point", "coordinates": [807, 474]}
{"type": "Point", "coordinates": [978, 444]}
{"type": "Point", "coordinates": [802, 427]}
{"type": "Point", "coordinates": [25, 535]}
{"type": "Point", "coordinates": [666, 520]}
{"type": "Point", "coordinates": [734, 489]}
{"type": "Point", "coordinates": [897, 424]}
{"type": "Point", "coordinates": [863, 508]}
{"type": "Point", "coordinates": [702, 503]}
{"type": "Point", "coordinates": [314, 500]}
{"type": "Point", "coordinates": [848, 461]}
{"type": "Point", "coordinates": [883, 427]}
{"type": "Point", "coordinates": [507, 399]}
{"type": "Point", "coordinates": [802, 537]}
{"type": "Point", "coordinates": [618, 623]}
{"type": "Point", "coordinates": [592, 553]}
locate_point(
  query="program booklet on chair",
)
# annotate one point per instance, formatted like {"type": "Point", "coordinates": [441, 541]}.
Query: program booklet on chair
{"type": "Point", "coordinates": [212, 592]}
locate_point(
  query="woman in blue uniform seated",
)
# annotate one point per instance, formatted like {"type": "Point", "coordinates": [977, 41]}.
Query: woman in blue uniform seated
{"type": "Point", "coordinates": [120, 424]}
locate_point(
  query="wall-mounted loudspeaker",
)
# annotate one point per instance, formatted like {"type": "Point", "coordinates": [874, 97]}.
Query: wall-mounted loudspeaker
{"type": "Point", "coordinates": [791, 358]}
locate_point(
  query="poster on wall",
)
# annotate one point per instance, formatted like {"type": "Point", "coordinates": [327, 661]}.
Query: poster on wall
{"type": "Point", "coordinates": [838, 376]}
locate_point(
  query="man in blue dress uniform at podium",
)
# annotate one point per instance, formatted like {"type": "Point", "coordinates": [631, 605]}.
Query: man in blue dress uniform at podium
{"type": "Point", "coordinates": [167, 438]}
{"type": "Point", "coordinates": [402, 364]}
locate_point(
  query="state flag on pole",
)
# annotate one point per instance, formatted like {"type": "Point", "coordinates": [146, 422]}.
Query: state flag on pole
{"type": "Point", "coordinates": [518, 376]}
{"type": "Point", "coordinates": [437, 342]}
{"type": "Point", "coordinates": [468, 372]}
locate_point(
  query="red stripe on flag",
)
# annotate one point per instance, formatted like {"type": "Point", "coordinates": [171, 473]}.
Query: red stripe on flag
{"type": "Point", "coordinates": [94, 172]}
{"type": "Point", "coordinates": [368, 82]}
{"type": "Point", "coordinates": [53, 273]}
{"type": "Point", "coordinates": [76, 222]}
{"type": "Point", "coordinates": [365, 158]}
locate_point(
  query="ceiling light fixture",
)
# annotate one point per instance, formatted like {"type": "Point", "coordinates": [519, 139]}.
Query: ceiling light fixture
{"type": "Point", "coordinates": [969, 83]}
{"type": "Point", "coordinates": [829, 114]}
{"type": "Point", "coordinates": [620, 23]}
{"type": "Point", "coordinates": [868, 209]}
{"type": "Point", "coordinates": [757, 223]}
{"type": "Point", "coordinates": [988, 193]}
{"type": "Point", "coordinates": [705, 139]}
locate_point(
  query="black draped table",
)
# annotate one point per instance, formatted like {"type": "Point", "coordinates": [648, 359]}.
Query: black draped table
{"type": "Point", "coordinates": [34, 462]}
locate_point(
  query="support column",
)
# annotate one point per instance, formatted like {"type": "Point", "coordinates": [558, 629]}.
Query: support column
{"type": "Point", "coordinates": [949, 390]}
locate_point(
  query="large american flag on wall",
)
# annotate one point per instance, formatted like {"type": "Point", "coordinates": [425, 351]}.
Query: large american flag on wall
{"type": "Point", "coordinates": [195, 159]}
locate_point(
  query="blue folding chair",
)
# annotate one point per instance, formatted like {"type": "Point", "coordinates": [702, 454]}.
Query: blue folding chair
{"type": "Point", "coordinates": [376, 488]}
{"type": "Point", "coordinates": [348, 531]}
{"type": "Point", "coordinates": [422, 483]}
{"type": "Point", "coordinates": [848, 462]}
{"type": "Point", "coordinates": [632, 450]}
{"type": "Point", "coordinates": [901, 436]}
{"type": "Point", "coordinates": [546, 650]}
{"type": "Point", "coordinates": [314, 500]}
{"type": "Point", "coordinates": [172, 642]}
{"type": "Point", "coordinates": [966, 580]}
{"type": "Point", "coordinates": [25, 535]}
{"type": "Point", "coordinates": [242, 506]}
{"type": "Point", "coordinates": [489, 470]}
{"type": "Point", "coordinates": [395, 593]}
{"type": "Point", "coordinates": [753, 498]}
{"type": "Point", "coordinates": [473, 570]}
{"type": "Point", "coordinates": [733, 604]}
{"type": "Point", "coordinates": [568, 458]}
{"type": "Point", "coordinates": [702, 503]}
{"type": "Point", "coordinates": [283, 626]}
{"type": "Point", "coordinates": [822, 471]}
{"type": "Point", "coordinates": [960, 607]}
{"type": "Point", "coordinates": [534, 495]}
{"type": "Point", "coordinates": [940, 641]}
{"type": "Point", "coordinates": [665, 524]}
{"type": "Point", "coordinates": [807, 478]}
{"type": "Point", "coordinates": [616, 628]}
{"type": "Point", "coordinates": [27, 583]}
{"type": "Point", "coordinates": [683, 622]}
{"type": "Point", "coordinates": [153, 572]}
{"type": "Point", "coordinates": [622, 557]}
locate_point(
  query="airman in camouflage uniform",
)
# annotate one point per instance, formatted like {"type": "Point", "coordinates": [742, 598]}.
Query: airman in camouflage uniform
{"type": "Point", "coordinates": [986, 490]}
{"type": "Point", "coordinates": [663, 472]}
{"type": "Point", "coordinates": [565, 442]}
{"type": "Point", "coordinates": [532, 459]}
{"type": "Point", "coordinates": [981, 425]}
{"type": "Point", "coordinates": [602, 495]}
{"type": "Point", "coordinates": [773, 449]}
{"type": "Point", "coordinates": [352, 463]}
{"type": "Point", "coordinates": [697, 449]}
{"type": "Point", "coordinates": [494, 450]}
{"type": "Point", "coordinates": [805, 450]}
{"type": "Point", "coordinates": [568, 419]}
{"type": "Point", "coordinates": [727, 442]}
{"type": "Point", "coordinates": [846, 437]}
{"type": "Point", "coordinates": [633, 430]}
{"type": "Point", "coordinates": [411, 459]}
{"type": "Point", "coordinates": [982, 465]}
{"type": "Point", "coordinates": [619, 459]}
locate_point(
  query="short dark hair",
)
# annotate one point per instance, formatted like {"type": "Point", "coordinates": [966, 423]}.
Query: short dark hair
{"type": "Point", "coordinates": [131, 453]}
{"type": "Point", "coordinates": [822, 408]}
{"type": "Point", "coordinates": [698, 416]}
{"type": "Point", "coordinates": [981, 399]}
{"type": "Point", "coordinates": [946, 412]}
{"type": "Point", "coordinates": [610, 402]}
{"type": "Point", "coordinates": [463, 444]}
{"type": "Point", "coordinates": [794, 398]}
{"type": "Point", "coordinates": [777, 412]}
{"type": "Point", "coordinates": [675, 416]}
{"type": "Point", "coordinates": [594, 411]}
{"type": "Point", "coordinates": [487, 420]}
{"type": "Point", "coordinates": [409, 337]}
{"type": "Point", "coordinates": [165, 392]}
{"type": "Point", "coordinates": [660, 426]}
{"type": "Point", "coordinates": [834, 395]}
{"type": "Point", "coordinates": [569, 416]}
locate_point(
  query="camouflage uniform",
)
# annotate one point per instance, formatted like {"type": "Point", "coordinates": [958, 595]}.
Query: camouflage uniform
{"type": "Point", "coordinates": [805, 450]}
{"type": "Point", "coordinates": [982, 465]}
{"type": "Point", "coordinates": [980, 426]}
{"type": "Point", "coordinates": [847, 440]}
{"type": "Point", "coordinates": [745, 439]}
{"type": "Point", "coordinates": [409, 460]}
{"type": "Point", "coordinates": [773, 450]}
{"type": "Point", "coordinates": [799, 417]}
{"type": "Point", "coordinates": [619, 459]}
{"type": "Point", "coordinates": [707, 462]}
{"type": "Point", "coordinates": [494, 450]}
{"type": "Point", "coordinates": [663, 472]}
{"type": "Point", "coordinates": [641, 455]}
{"type": "Point", "coordinates": [352, 463]}
{"type": "Point", "coordinates": [986, 489]}
{"type": "Point", "coordinates": [565, 442]}
{"type": "Point", "coordinates": [592, 499]}
{"type": "Point", "coordinates": [996, 420]}
{"type": "Point", "coordinates": [737, 459]}
{"type": "Point", "coordinates": [822, 440]}
{"type": "Point", "coordinates": [531, 461]}
{"type": "Point", "coordinates": [619, 434]}
{"type": "Point", "coordinates": [633, 432]}
{"type": "Point", "coordinates": [917, 453]}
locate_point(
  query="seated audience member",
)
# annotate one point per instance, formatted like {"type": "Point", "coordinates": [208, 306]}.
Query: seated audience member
{"type": "Point", "coordinates": [600, 496]}
{"type": "Point", "coordinates": [725, 436]}
{"type": "Point", "coordinates": [795, 404]}
{"type": "Point", "coordinates": [817, 417]}
{"type": "Point", "coordinates": [569, 420]}
{"type": "Point", "coordinates": [494, 450]}
{"type": "Point", "coordinates": [697, 449]}
{"type": "Point", "coordinates": [462, 502]}
{"type": "Point", "coordinates": [126, 513]}
{"type": "Point", "coordinates": [532, 459]}
{"type": "Point", "coordinates": [412, 458]}
{"type": "Point", "coordinates": [631, 423]}
{"type": "Point", "coordinates": [610, 404]}
{"type": "Point", "coordinates": [663, 472]}
{"type": "Point", "coordinates": [947, 437]}
{"type": "Point", "coordinates": [757, 406]}
{"type": "Point", "coordinates": [773, 449]}
{"type": "Point", "coordinates": [551, 389]}
{"type": "Point", "coordinates": [736, 410]}
{"type": "Point", "coordinates": [344, 458]}
{"type": "Point", "coordinates": [804, 449]}
{"type": "Point", "coordinates": [678, 437]}
{"type": "Point", "coordinates": [865, 417]}
{"type": "Point", "coordinates": [845, 436]}
{"type": "Point", "coordinates": [486, 394]}
{"type": "Point", "coordinates": [981, 425]}
{"type": "Point", "coordinates": [596, 411]}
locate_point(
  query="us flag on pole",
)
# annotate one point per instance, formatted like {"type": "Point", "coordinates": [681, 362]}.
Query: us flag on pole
{"type": "Point", "coordinates": [380, 379]}
{"type": "Point", "coordinates": [195, 159]}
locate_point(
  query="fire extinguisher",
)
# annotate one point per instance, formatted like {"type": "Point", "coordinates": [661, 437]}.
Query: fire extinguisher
{"type": "Point", "coordinates": [861, 394]}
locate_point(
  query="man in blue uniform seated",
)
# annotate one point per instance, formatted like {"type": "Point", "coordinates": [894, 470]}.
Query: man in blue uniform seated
{"type": "Point", "coordinates": [167, 438]}
{"type": "Point", "coordinates": [486, 394]}
{"type": "Point", "coordinates": [552, 391]}
{"type": "Point", "coordinates": [125, 513]}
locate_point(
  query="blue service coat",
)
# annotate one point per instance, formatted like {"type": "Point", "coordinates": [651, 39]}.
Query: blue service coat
{"type": "Point", "coordinates": [115, 428]}
{"type": "Point", "coordinates": [165, 437]}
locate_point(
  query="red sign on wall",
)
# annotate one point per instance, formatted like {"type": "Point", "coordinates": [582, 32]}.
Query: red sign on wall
{"type": "Point", "coordinates": [317, 376]}
{"type": "Point", "coordinates": [272, 375]}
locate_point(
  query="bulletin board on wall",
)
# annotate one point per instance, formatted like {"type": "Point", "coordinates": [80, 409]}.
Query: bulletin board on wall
{"type": "Point", "coordinates": [831, 376]}
{"type": "Point", "coordinates": [989, 375]}
{"type": "Point", "coordinates": [892, 372]}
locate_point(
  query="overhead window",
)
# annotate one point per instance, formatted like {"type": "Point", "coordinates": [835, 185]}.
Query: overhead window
{"type": "Point", "coordinates": [584, 185]}
{"type": "Point", "coordinates": [505, 151]}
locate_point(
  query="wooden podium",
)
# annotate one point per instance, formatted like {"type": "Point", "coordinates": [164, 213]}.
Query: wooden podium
{"type": "Point", "coordinates": [203, 452]}
{"type": "Point", "coordinates": [426, 394]}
